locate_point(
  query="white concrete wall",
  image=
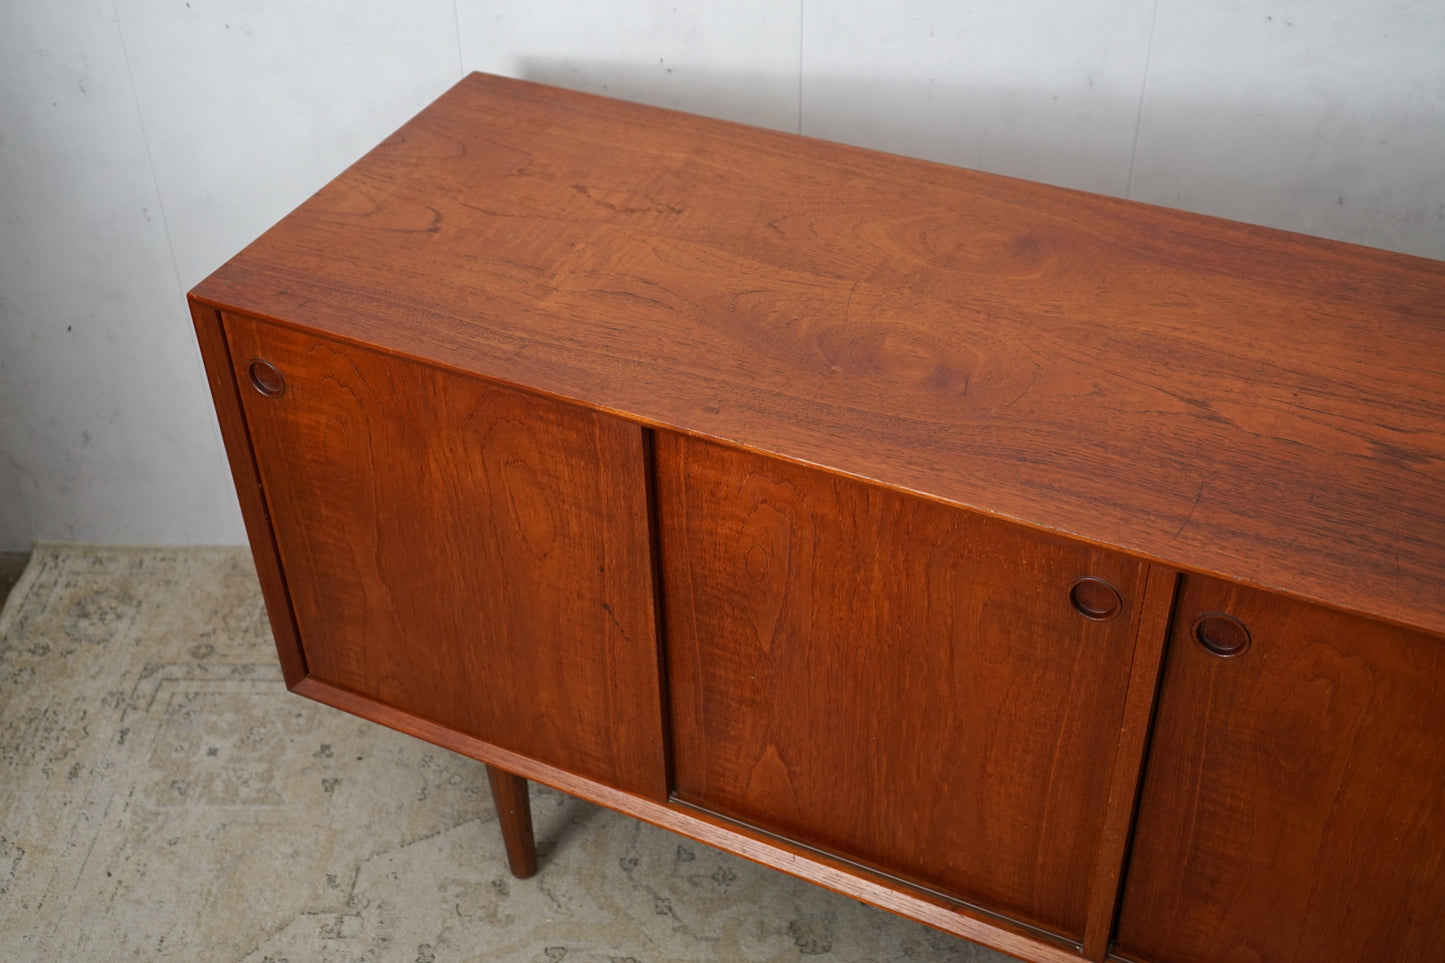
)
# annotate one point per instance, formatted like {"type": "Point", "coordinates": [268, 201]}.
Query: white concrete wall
{"type": "Point", "coordinates": [144, 141]}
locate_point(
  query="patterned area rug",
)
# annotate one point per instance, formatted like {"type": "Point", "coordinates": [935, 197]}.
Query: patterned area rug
{"type": "Point", "coordinates": [163, 797]}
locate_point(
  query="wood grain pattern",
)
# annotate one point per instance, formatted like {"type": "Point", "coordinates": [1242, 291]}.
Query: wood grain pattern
{"type": "Point", "coordinates": [838, 875]}
{"type": "Point", "coordinates": [1221, 397]}
{"type": "Point", "coordinates": [891, 679]}
{"type": "Point", "coordinates": [462, 551]}
{"type": "Point", "coordinates": [1293, 807]}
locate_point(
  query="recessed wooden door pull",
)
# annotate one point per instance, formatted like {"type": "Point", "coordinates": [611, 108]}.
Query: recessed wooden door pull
{"type": "Point", "coordinates": [266, 379]}
{"type": "Point", "coordinates": [1096, 599]}
{"type": "Point", "coordinates": [1221, 634]}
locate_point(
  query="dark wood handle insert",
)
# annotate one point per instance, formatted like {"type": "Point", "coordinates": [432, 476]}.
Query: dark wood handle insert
{"type": "Point", "coordinates": [1096, 599]}
{"type": "Point", "coordinates": [266, 379]}
{"type": "Point", "coordinates": [1221, 634]}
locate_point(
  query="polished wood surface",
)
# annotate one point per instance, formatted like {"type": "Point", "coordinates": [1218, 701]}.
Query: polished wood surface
{"type": "Point", "coordinates": [514, 815]}
{"type": "Point", "coordinates": [1225, 398]}
{"type": "Point", "coordinates": [890, 678]}
{"type": "Point", "coordinates": [466, 552]}
{"type": "Point", "coordinates": [1293, 808]}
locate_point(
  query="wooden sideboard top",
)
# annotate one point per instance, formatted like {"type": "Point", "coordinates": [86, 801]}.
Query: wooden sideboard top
{"type": "Point", "coordinates": [1245, 402]}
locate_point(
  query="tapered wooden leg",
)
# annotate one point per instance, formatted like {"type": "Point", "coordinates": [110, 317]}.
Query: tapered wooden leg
{"type": "Point", "coordinates": [514, 813]}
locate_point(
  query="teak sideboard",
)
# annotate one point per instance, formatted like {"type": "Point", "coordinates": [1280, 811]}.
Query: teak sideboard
{"type": "Point", "coordinates": [1060, 571]}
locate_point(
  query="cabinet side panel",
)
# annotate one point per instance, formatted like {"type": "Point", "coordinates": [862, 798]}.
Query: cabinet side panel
{"type": "Point", "coordinates": [1293, 807]}
{"type": "Point", "coordinates": [216, 356]}
{"type": "Point", "coordinates": [465, 552]}
{"type": "Point", "coordinates": [890, 679]}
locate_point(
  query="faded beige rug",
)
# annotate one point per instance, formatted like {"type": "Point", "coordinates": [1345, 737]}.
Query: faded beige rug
{"type": "Point", "coordinates": [162, 797]}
